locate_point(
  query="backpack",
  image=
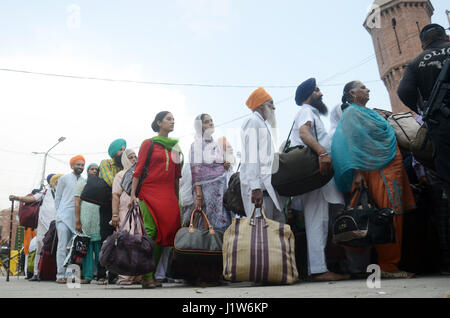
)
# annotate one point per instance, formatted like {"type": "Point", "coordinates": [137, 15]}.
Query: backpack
{"type": "Point", "coordinates": [232, 199]}
{"type": "Point", "coordinates": [96, 191]}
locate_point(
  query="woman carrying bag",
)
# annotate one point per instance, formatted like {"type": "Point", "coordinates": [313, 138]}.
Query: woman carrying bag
{"type": "Point", "coordinates": [158, 193]}
{"type": "Point", "coordinates": [365, 153]}
{"type": "Point", "coordinates": [209, 174]}
{"type": "Point", "coordinates": [120, 202]}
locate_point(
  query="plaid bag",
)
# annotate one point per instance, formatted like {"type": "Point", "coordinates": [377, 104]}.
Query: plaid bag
{"type": "Point", "coordinates": [259, 250]}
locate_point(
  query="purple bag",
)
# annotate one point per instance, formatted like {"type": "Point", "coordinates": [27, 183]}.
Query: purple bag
{"type": "Point", "coordinates": [129, 254]}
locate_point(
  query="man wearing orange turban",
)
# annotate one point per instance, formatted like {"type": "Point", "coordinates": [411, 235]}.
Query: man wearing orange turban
{"type": "Point", "coordinates": [257, 158]}
{"type": "Point", "coordinates": [65, 213]}
{"type": "Point", "coordinates": [257, 98]}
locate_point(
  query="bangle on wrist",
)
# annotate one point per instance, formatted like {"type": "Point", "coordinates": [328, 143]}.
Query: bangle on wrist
{"type": "Point", "coordinates": [115, 215]}
{"type": "Point", "coordinates": [323, 155]}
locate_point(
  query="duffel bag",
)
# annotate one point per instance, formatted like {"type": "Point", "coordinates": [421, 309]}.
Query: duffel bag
{"type": "Point", "coordinates": [298, 170]}
{"type": "Point", "coordinates": [29, 213]}
{"type": "Point", "coordinates": [422, 148]}
{"type": "Point", "coordinates": [259, 250]}
{"type": "Point", "coordinates": [364, 225]}
{"type": "Point", "coordinates": [125, 253]}
{"type": "Point", "coordinates": [405, 127]}
{"type": "Point", "coordinates": [197, 253]}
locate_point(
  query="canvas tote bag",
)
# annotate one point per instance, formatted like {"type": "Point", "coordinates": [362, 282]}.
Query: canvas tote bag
{"type": "Point", "coordinates": [259, 250]}
{"type": "Point", "coordinates": [405, 127]}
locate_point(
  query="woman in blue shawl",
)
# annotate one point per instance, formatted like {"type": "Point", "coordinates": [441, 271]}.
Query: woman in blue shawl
{"type": "Point", "coordinates": [365, 153]}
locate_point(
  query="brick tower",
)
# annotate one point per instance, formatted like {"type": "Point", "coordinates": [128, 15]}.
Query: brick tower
{"type": "Point", "coordinates": [395, 27]}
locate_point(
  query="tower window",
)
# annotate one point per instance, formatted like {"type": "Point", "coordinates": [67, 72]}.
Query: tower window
{"type": "Point", "coordinates": [394, 27]}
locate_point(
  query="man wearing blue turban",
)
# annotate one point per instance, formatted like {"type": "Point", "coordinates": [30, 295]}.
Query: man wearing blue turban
{"type": "Point", "coordinates": [107, 171]}
{"type": "Point", "coordinates": [308, 130]}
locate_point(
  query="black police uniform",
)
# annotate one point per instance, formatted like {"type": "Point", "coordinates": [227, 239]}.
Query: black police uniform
{"type": "Point", "coordinates": [420, 77]}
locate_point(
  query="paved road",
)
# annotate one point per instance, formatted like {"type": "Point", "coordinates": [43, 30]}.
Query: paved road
{"type": "Point", "coordinates": [418, 287]}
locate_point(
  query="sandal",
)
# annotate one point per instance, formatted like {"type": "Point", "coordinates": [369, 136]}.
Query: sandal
{"type": "Point", "coordinates": [102, 281]}
{"type": "Point", "coordinates": [85, 281]}
{"type": "Point", "coordinates": [124, 282]}
{"type": "Point", "coordinates": [150, 284]}
{"type": "Point", "coordinates": [61, 281]}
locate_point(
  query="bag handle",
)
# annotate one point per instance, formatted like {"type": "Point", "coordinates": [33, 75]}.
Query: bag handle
{"type": "Point", "coordinates": [138, 220]}
{"type": "Point", "coordinates": [127, 217]}
{"type": "Point", "coordinates": [288, 140]}
{"type": "Point", "coordinates": [133, 214]}
{"type": "Point", "coordinates": [205, 221]}
{"type": "Point", "coordinates": [364, 197]}
{"type": "Point", "coordinates": [196, 219]}
{"type": "Point", "coordinates": [145, 172]}
{"type": "Point", "coordinates": [252, 218]}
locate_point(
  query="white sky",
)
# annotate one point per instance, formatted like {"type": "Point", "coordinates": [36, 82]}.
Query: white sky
{"type": "Point", "coordinates": [225, 42]}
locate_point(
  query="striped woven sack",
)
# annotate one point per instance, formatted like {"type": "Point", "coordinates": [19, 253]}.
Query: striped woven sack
{"type": "Point", "coordinates": [259, 250]}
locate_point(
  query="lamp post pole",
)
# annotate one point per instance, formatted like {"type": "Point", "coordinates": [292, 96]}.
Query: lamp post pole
{"type": "Point", "coordinates": [61, 139]}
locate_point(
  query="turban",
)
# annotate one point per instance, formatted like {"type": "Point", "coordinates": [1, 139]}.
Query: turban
{"type": "Point", "coordinates": [257, 98]}
{"type": "Point", "coordinates": [304, 91]}
{"type": "Point", "coordinates": [54, 179]}
{"type": "Point", "coordinates": [49, 177]}
{"type": "Point", "coordinates": [115, 146]}
{"type": "Point", "coordinates": [75, 159]}
{"type": "Point", "coordinates": [89, 167]}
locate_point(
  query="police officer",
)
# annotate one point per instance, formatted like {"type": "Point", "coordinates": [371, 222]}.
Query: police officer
{"type": "Point", "coordinates": [415, 90]}
{"type": "Point", "coordinates": [422, 72]}
{"type": "Point", "coordinates": [418, 81]}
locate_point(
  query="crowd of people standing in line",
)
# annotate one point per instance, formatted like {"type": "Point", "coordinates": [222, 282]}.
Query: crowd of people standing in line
{"type": "Point", "coordinates": [361, 147]}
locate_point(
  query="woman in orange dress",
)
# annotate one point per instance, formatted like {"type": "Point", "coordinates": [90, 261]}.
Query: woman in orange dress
{"type": "Point", "coordinates": [365, 153]}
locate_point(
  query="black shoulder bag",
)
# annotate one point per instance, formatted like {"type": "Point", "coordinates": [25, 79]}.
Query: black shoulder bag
{"type": "Point", "coordinates": [127, 180]}
{"type": "Point", "coordinates": [299, 171]}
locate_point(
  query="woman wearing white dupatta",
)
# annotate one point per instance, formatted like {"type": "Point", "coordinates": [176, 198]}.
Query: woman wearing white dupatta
{"type": "Point", "coordinates": [209, 174]}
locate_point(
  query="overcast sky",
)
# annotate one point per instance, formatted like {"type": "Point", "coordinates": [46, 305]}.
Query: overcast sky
{"type": "Point", "coordinates": [247, 43]}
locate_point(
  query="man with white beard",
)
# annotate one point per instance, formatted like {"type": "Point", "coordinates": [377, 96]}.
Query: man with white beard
{"type": "Point", "coordinates": [309, 130]}
{"type": "Point", "coordinates": [258, 152]}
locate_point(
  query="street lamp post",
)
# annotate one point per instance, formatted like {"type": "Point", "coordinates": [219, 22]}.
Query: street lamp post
{"type": "Point", "coordinates": [61, 139]}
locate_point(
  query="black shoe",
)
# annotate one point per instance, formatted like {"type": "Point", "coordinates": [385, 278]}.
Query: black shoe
{"type": "Point", "coordinates": [34, 279]}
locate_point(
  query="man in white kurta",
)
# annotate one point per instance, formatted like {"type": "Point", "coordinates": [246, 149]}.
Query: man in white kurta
{"type": "Point", "coordinates": [257, 157]}
{"type": "Point", "coordinates": [65, 213]}
{"type": "Point", "coordinates": [310, 131]}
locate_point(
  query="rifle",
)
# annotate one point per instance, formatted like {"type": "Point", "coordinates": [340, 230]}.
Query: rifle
{"type": "Point", "coordinates": [439, 98]}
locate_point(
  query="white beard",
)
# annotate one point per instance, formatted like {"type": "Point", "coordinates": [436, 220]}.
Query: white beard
{"type": "Point", "coordinates": [272, 120]}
